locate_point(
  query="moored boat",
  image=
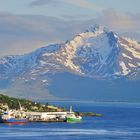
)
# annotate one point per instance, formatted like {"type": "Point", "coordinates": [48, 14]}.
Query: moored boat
{"type": "Point", "coordinates": [72, 118]}
{"type": "Point", "coordinates": [9, 117]}
{"type": "Point", "coordinates": [14, 116]}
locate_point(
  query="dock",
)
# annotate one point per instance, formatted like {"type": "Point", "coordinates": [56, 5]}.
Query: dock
{"type": "Point", "coordinates": [48, 121]}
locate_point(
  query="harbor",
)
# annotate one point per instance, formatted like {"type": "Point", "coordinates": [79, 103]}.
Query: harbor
{"type": "Point", "coordinates": [21, 111]}
{"type": "Point", "coordinates": [21, 117]}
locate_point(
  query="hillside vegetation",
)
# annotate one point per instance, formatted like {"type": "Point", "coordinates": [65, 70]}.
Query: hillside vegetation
{"type": "Point", "coordinates": [28, 105]}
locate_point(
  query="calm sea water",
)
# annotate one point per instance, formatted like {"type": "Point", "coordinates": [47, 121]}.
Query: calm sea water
{"type": "Point", "coordinates": [121, 121]}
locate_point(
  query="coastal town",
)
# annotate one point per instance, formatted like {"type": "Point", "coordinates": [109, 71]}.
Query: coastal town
{"type": "Point", "coordinates": [21, 111]}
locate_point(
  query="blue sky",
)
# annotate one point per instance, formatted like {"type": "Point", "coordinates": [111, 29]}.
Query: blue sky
{"type": "Point", "coordinates": [28, 24]}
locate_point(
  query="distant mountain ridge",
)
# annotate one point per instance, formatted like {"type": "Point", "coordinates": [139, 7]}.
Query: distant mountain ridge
{"type": "Point", "coordinates": [97, 53]}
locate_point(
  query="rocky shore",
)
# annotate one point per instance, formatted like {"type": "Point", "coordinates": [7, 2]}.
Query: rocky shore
{"type": "Point", "coordinates": [90, 114]}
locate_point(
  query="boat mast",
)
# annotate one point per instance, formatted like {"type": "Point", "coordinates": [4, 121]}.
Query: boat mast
{"type": "Point", "coordinates": [71, 109]}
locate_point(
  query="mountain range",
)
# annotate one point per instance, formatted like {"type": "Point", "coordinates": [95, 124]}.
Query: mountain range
{"type": "Point", "coordinates": [97, 64]}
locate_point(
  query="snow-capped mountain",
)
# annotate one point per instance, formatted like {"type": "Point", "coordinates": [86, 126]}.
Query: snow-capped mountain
{"type": "Point", "coordinates": [96, 53]}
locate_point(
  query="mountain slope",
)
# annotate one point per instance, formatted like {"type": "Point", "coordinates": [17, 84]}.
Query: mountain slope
{"type": "Point", "coordinates": [96, 53]}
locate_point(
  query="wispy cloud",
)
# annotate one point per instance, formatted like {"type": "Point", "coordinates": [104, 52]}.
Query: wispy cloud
{"type": "Point", "coordinates": [41, 2]}
{"type": "Point", "coordinates": [84, 4]}
{"type": "Point", "coordinates": [116, 20]}
{"type": "Point", "coordinates": [80, 3]}
{"type": "Point", "coordinates": [20, 34]}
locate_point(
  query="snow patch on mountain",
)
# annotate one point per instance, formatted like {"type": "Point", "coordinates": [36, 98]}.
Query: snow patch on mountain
{"type": "Point", "coordinates": [125, 70]}
{"type": "Point", "coordinates": [126, 56]}
{"type": "Point", "coordinates": [131, 65]}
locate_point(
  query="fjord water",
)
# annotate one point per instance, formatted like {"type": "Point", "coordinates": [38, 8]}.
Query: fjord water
{"type": "Point", "coordinates": [120, 121]}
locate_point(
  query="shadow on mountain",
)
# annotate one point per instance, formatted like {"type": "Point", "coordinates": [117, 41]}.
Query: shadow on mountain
{"type": "Point", "coordinates": [66, 85]}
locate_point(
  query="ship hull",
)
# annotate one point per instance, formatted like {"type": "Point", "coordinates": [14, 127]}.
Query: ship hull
{"type": "Point", "coordinates": [73, 120]}
{"type": "Point", "coordinates": [15, 121]}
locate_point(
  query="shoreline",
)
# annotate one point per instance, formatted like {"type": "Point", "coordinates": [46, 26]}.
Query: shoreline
{"type": "Point", "coordinates": [36, 111]}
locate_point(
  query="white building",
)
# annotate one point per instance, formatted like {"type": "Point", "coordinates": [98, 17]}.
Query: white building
{"type": "Point", "coordinates": [47, 115]}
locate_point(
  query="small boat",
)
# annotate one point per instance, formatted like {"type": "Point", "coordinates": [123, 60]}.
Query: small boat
{"type": "Point", "coordinates": [72, 118]}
